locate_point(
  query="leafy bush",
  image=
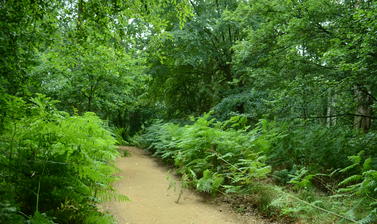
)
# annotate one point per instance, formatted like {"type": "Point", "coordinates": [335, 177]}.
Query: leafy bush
{"type": "Point", "coordinates": [314, 156]}
{"type": "Point", "coordinates": [251, 104]}
{"type": "Point", "coordinates": [55, 167]}
{"type": "Point", "coordinates": [212, 155]}
{"type": "Point", "coordinates": [297, 144]}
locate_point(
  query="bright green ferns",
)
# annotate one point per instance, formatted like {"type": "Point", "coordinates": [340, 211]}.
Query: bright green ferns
{"type": "Point", "coordinates": [56, 167]}
{"type": "Point", "coordinates": [213, 156]}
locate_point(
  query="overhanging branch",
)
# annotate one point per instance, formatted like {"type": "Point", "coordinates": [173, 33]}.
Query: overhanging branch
{"type": "Point", "coordinates": [339, 115]}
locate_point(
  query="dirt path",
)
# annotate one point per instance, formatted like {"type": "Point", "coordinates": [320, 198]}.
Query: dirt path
{"type": "Point", "coordinates": [145, 182]}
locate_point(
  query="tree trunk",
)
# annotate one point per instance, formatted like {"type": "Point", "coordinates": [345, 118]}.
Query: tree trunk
{"type": "Point", "coordinates": [363, 109]}
{"type": "Point", "coordinates": [331, 120]}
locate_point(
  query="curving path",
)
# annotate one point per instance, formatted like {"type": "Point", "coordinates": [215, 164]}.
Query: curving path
{"type": "Point", "coordinates": [146, 183]}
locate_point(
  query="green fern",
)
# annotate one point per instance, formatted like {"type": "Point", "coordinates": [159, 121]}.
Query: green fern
{"type": "Point", "coordinates": [363, 185]}
{"type": "Point", "coordinates": [210, 182]}
{"type": "Point", "coordinates": [61, 164]}
{"type": "Point", "coordinates": [210, 153]}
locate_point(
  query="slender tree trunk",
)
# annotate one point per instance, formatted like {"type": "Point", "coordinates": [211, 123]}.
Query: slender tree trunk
{"type": "Point", "coordinates": [90, 98]}
{"type": "Point", "coordinates": [363, 108]}
{"type": "Point", "coordinates": [331, 120]}
{"type": "Point", "coordinates": [80, 8]}
{"type": "Point", "coordinates": [89, 103]}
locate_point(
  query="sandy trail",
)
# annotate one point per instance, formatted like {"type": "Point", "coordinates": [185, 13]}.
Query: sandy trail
{"type": "Point", "coordinates": [145, 182]}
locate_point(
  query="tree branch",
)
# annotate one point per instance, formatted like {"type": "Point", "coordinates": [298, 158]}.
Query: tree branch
{"type": "Point", "coordinates": [339, 115]}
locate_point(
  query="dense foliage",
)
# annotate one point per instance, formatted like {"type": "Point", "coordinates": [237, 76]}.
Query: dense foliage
{"type": "Point", "coordinates": [231, 158]}
{"type": "Point", "coordinates": [54, 165]}
{"type": "Point", "coordinates": [306, 67]}
{"type": "Point", "coordinates": [291, 85]}
{"type": "Point", "coordinates": [212, 156]}
{"type": "Point", "coordinates": [63, 62]}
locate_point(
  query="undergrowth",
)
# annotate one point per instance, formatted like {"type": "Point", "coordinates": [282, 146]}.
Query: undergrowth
{"type": "Point", "coordinates": [55, 167]}
{"type": "Point", "coordinates": [272, 168]}
{"type": "Point", "coordinates": [212, 156]}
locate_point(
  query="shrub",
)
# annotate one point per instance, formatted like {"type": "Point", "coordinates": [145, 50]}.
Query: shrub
{"type": "Point", "coordinates": [56, 167]}
{"type": "Point", "coordinates": [212, 155]}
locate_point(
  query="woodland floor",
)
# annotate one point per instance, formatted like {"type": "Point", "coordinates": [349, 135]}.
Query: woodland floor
{"type": "Point", "coordinates": [146, 182]}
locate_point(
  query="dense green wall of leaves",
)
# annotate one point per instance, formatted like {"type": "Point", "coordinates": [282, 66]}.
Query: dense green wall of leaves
{"type": "Point", "coordinates": [300, 75]}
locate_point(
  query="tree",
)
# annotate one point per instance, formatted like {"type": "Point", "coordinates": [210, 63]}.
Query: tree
{"type": "Point", "coordinates": [312, 51]}
{"type": "Point", "coordinates": [90, 78]}
{"type": "Point", "coordinates": [192, 67]}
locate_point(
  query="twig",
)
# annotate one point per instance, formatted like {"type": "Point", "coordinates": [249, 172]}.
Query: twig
{"type": "Point", "coordinates": [39, 188]}
{"type": "Point", "coordinates": [179, 196]}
